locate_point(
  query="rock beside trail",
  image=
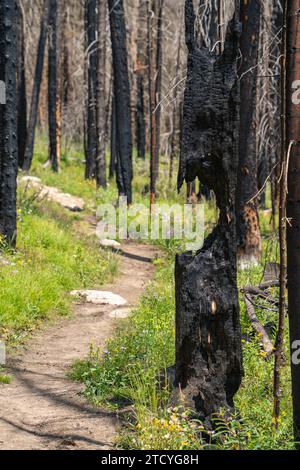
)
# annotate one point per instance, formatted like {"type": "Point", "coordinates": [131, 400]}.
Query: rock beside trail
{"type": "Point", "coordinates": [72, 203]}
{"type": "Point", "coordinates": [110, 244]}
{"type": "Point", "coordinates": [120, 313]}
{"type": "Point", "coordinates": [99, 297]}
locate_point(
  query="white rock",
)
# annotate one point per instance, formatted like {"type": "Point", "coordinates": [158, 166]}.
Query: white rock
{"type": "Point", "coordinates": [121, 313]}
{"type": "Point", "coordinates": [110, 243]}
{"type": "Point", "coordinates": [30, 179]}
{"type": "Point", "coordinates": [99, 297]}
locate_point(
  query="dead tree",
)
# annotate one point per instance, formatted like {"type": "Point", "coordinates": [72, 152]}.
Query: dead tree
{"type": "Point", "coordinates": [36, 88]}
{"type": "Point", "coordinates": [152, 100]}
{"type": "Point", "coordinates": [248, 232]}
{"type": "Point", "coordinates": [8, 121]}
{"type": "Point", "coordinates": [122, 98]}
{"type": "Point", "coordinates": [140, 118]}
{"type": "Point", "coordinates": [158, 81]}
{"type": "Point", "coordinates": [54, 99]}
{"type": "Point", "coordinates": [140, 67]}
{"type": "Point", "coordinates": [293, 199]}
{"type": "Point", "coordinates": [175, 113]}
{"type": "Point", "coordinates": [208, 337]}
{"type": "Point", "coordinates": [91, 74]}
{"type": "Point", "coordinates": [21, 88]}
{"type": "Point", "coordinates": [101, 96]}
{"type": "Point", "coordinates": [113, 140]}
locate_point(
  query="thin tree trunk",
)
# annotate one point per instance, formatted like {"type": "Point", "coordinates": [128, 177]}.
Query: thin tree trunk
{"type": "Point", "coordinates": [113, 140]}
{"type": "Point", "coordinates": [101, 96]}
{"type": "Point", "coordinates": [53, 88]}
{"type": "Point", "coordinates": [208, 336]}
{"type": "Point", "coordinates": [293, 202]}
{"type": "Point", "coordinates": [140, 67]}
{"type": "Point", "coordinates": [140, 118]}
{"type": "Point", "coordinates": [122, 97]}
{"type": "Point", "coordinates": [36, 88]}
{"type": "Point", "coordinates": [282, 231]}
{"type": "Point", "coordinates": [152, 101]}
{"type": "Point", "coordinates": [159, 58]}
{"type": "Point", "coordinates": [22, 96]}
{"type": "Point", "coordinates": [248, 232]}
{"type": "Point", "coordinates": [175, 112]}
{"type": "Point", "coordinates": [91, 73]}
{"type": "Point", "coordinates": [8, 122]}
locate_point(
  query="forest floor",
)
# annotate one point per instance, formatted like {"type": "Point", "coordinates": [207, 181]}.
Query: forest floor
{"type": "Point", "coordinates": [42, 409]}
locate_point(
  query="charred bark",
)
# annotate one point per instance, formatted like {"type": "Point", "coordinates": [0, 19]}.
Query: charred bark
{"type": "Point", "coordinates": [248, 232]}
{"type": "Point", "coordinates": [122, 97]}
{"type": "Point", "coordinates": [101, 96]}
{"type": "Point", "coordinates": [53, 88]}
{"type": "Point", "coordinates": [293, 198]}
{"type": "Point", "coordinates": [208, 338]}
{"type": "Point", "coordinates": [36, 88]}
{"type": "Point", "coordinates": [152, 100]}
{"type": "Point", "coordinates": [21, 90]}
{"type": "Point", "coordinates": [140, 118]}
{"type": "Point", "coordinates": [8, 121]}
{"type": "Point", "coordinates": [159, 58]}
{"type": "Point", "coordinates": [113, 140]}
{"type": "Point", "coordinates": [91, 74]}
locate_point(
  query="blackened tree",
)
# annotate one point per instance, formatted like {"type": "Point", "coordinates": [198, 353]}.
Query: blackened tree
{"type": "Point", "coordinates": [101, 96]}
{"type": "Point", "coordinates": [36, 88]}
{"type": "Point", "coordinates": [293, 197]}
{"type": "Point", "coordinates": [248, 231]}
{"type": "Point", "coordinates": [208, 337]}
{"type": "Point", "coordinates": [91, 79]}
{"type": "Point", "coordinates": [54, 103]}
{"type": "Point", "coordinates": [21, 87]}
{"type": "Point", "coordinates": [8, 121]}
{"type": "Point", "coordinates": [122, 97]}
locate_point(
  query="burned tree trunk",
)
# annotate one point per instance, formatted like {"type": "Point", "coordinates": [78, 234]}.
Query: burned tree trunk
{"type": "Point", "coordinates": [208, 338]}
{"type": "Point", "coordinates": [152, 102]}
{"type": "Point", "coordinates": [140, 118]}
{"type": "Point", "coordinates": [248, 232]}
{"type": "Point", "coordinates": [122, 97]}
{"type": "Point", "coordinates": [21, 89]}
{"type": "Point", "coordinates": [140, 68]}
{"type": "Point", "coordinates": [159, 58]}
{"type": "Point", "coordinates": [101, 96]}
{"type": "Point", "coordinates": [8, 121]}
{"type": "Point", "coordinates": [53, 87]}
{"type": "Point", "coordinates": [91, 74]}
{"type": "Point", "coordinates": [113, 140]}
{"type": "Point", "coordinates": [293, 198]}
{"type": "Point", "coordinates": [36, 88]}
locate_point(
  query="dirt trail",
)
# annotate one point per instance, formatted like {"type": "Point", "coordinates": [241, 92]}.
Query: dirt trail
{"type": "Point", "coordinates": [41, 409]}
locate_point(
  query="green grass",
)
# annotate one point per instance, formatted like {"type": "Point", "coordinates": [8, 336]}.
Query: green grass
{"type": "Point", "coordinates": [51, 259]}
{"type": "Point", "coordinates": [144, 346]}
{"type": "Point", "coordinates": [5, 379]}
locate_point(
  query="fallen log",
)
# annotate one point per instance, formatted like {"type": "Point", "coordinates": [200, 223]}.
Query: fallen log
{"type": "Point", "coordinates": [258, 327]}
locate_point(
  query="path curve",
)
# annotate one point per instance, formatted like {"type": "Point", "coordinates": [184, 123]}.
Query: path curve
{"type": "Point", "coordinates": [41, 409]}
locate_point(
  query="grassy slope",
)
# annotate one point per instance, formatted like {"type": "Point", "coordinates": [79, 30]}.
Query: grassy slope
{"type": "Point", "coordinates": [51, 257]}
